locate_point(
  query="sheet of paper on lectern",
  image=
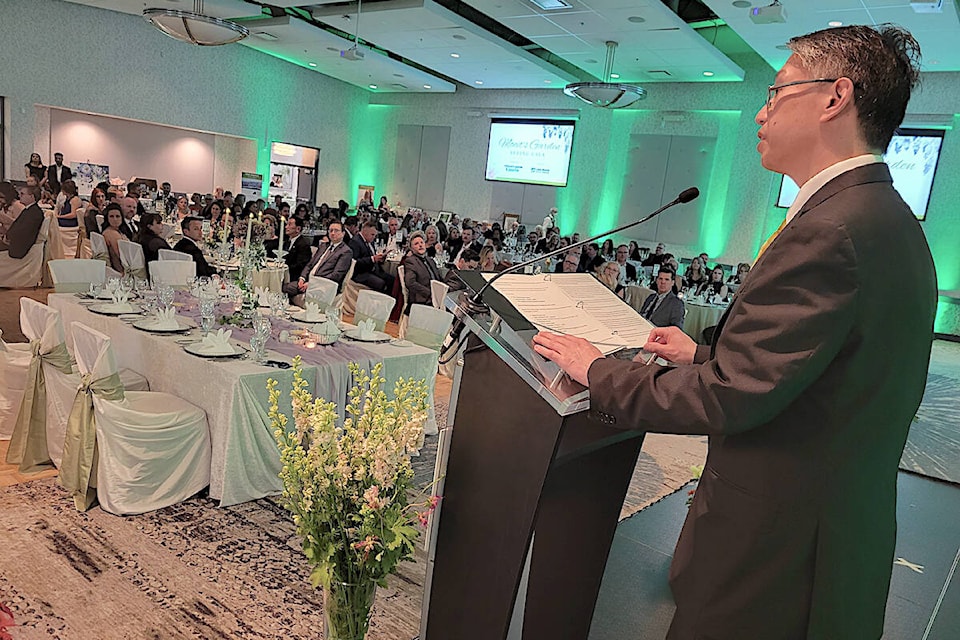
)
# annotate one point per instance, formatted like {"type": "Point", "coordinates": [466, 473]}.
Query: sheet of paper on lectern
{"type": "Point", "coordinates": [575, 304]}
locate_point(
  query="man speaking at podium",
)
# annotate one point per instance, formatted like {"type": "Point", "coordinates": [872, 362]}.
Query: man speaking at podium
{"type": "Point", "coordinates": [814, 374]}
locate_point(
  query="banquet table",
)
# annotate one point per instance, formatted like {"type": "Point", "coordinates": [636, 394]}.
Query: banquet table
{"type": "Point", "coordinates": [245, 461]}
{"type": "Point", "coordinates": [271, 277]}
{"type": "Point", "coordinates": [699, 317]}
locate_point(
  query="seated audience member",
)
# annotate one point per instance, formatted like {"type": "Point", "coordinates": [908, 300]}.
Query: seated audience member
{"type": "Point", "coordinates": [634, 250]}
{"type": "Point", "coordinates": [112, 235]}
{"type": "Point", "coordinates": [192, 228]}
{"type": "Point", "coordinates": [663, 308]}
{"type": "Point", "coordinates": [419, 270]}
{"type": "Point", "coordinates": [10, 206]}
{"type": "Point", "coordinates": [695, 275]}
{"type": "Point", "coordinates": [433, 240]}
{"type": "Point", "coordinates": [468, 241]}
{"type": "Point", "coordinates": [331, 262]}
{"type": "Point", "coordinates": [607, 250]}
{"type": "Point", "coordinates": [609, 275]}
{"type": "Point", "coordinates": [715, 285]}
{"type": "Point", "coordinates": [151, 228]}
{"type": "Point", "coordinates": [22, 233]}
{"type": "Point", "coordinates": [453, 243]}
{"type": "Point", "coordinates": [488, 259]}
{"type": "Point", "coordinates": [67, 218]}
{"type": "Point", "coordinates": [299, 251]}
{"type": "Point", "coordinates": [654, 258]}
{"type": "Point", "coordinates": [469, 261]}
{"type": "Point", "coordinates": [133, 191]}
{"type": "Point", "coordinates": [129, 228]}
{"type": "Point", "coordinates": [561, 260]}
{"type": "Point", "coordinates": [97, 202]}
{"type": "Point", "coordinates": [571, 263]}
{"type": "Point", "coordinates": [393, 237]}
{"type": "Point", "coordinates": [737, 278]}
{"type": "Point", "coordinates": [182, 209]}
{"type": "Point", "coordinates": [589, 254]}
{"type": "Point", "coordinates": [369, 268]}
{"type": "Point", "coordinates": [628, 272]}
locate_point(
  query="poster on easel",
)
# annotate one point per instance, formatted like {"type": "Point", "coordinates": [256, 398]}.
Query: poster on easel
{"type": "Point", "coordinates": [88, 175]}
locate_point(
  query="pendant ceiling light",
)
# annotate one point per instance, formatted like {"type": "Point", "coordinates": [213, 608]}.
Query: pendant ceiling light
{"type": "Point", "coordinates": [194, 27]}
{"type": "Point", "coordinates": [606, 94]}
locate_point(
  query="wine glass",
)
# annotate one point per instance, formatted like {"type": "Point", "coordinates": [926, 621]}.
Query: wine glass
{"type": "Point", "coordinates": [258, 341]}
{"type": "Point", "coordinates": [165, 295]}
{"type": "Point", "coordinates": [208, 307]}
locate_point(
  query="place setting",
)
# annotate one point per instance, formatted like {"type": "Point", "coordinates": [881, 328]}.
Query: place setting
{"type": "Point", "coordinates": [365, 332]}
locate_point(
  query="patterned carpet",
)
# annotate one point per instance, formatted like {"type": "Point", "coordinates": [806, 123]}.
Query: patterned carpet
{"type": "Point", "coordinates": [933, 446]}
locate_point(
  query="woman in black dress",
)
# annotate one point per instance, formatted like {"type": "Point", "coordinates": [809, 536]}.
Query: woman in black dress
{"type": "Point", "coordinates": [36, 169]}
{"type": "Point", "coordinates": [151, 226]}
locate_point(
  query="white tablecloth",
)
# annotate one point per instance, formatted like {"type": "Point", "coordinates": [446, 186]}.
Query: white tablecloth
{"type": "Point", "coordinates": [699, 317]}
{"type": "Point", "coordinates": [245, 460]}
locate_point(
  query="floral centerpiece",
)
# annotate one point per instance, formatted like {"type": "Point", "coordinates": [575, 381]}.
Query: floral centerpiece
{"type": "Point", "coordinates": [347, 488]}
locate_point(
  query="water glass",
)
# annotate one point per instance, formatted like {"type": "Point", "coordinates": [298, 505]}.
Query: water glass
{"type": "Point", "coordinates": [258, 341]}
{"type": "Point", "coordinates": [207, 314]}
{"type": "Point", "coordinates": [165, 294]}
{"type": "Point", "coordinates": [278, 303]}
{"type": "Point", "coordinates": [95, 289]}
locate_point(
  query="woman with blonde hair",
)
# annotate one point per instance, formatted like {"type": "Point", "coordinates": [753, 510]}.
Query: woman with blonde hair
{"type": "Point", "coordinates": [609, 274]}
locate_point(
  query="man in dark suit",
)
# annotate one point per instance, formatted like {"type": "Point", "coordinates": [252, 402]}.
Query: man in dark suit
{"type": "Point", "coordinates": [805, 396]}
{"type": "Point", "coordinates": [297, 247]}
{"type": "Point", "coordinates": [628, 272]}
{"type": "Point", "coordinates": [23, 231]}
{"type": "Point", "coordinates": [369, 268]}
{"type": "Point", "coordinates": [190, 243]}
{"type": "Point", "coordinates": [419, 271]}
{"type": "Point", "coordinates": [129, 227]}
{"type": "Point", "coordinates": [331, 261]}
{"type": "Point", "coordinates": [663, 308]}
{"type": "Point", "coordinates": [57, 173]}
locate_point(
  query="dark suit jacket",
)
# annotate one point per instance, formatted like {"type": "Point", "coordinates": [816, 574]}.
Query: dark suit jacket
{"type": "Point", "coordinates": [334, 267]}
{"type": "Point", "coordinates": [186, 245]}
{"type": "Point", "coordinates": [417, 274]}
{"type": "Point", "coordinates": [23, 231]}
{"type": "Point", "coordinates": [807, 401]}
{"type": "Point", "coordinates": [53, 177]}
{"type": "Point", "coordinates": [127, 231]}
{"type": "Point", "coordinates": [151, 248]}
{"type": "Point", "coordinates": [298, 256]}
{"type": "Point", "coordinates": [669, 313]}
{"type": "Point", "coordinates": [366, 265]}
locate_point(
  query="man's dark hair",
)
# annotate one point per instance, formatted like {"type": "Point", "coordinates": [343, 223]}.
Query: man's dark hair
{"type": "Point", "coordinates": [227, 193]}
{"type": "Point", "coordinates": [673, 276]}
{"type": "Point", "coordinates": [185, 223]}
{"type": "Point", "coordinates": [351, 221]}
{"type": "Point", "coordinates": [297, 221]}
{"type": "Point", "coordinates": [469, 255]}
{"type": "Point", "coordinates": [335, 222]}
{"type": "Point", "coordinates": [882, 63]}
{"type": "Point", "coordinates": [34, 190]}
{"type": "Point", "coordinates": [368, 224]}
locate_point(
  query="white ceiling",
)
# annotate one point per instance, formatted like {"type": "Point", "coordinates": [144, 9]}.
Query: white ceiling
{"type": "Point", "coordinates": [414, 39]}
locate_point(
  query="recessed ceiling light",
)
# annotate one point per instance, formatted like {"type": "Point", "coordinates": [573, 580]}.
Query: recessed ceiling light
{"type": "Point", "coordinates": [835, 23]}
{"type": "Point", "coordinates": [426, 86]}
{"type": "Point", "coordinates": [741, 4]}
{"type": "Point", "coordinates": [478, 82]}
{"type": "Point", "coordinates": [372, 86]}
{"type": "Point", "coordinates": [614, 75]}
{"type": "Point", "coordinates": [708, 74]}
{"type": "Point", "coordinates": [459, 36]}
{"type": "Point", "coordinates": [312, 64]}
{"type": "Point", "coordinates": [454, 55]}
{"type": "Point", "coordinates": [636, 19]}
{"type": "Point", "coordinates": [548, 81]}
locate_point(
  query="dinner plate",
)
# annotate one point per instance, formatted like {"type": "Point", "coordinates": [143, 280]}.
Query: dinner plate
{"type": "Point", "coordinates": [109, 309]}
{"type": "Point", "coordinates": [149, 324]}
{"type": "Point", "coordinates": [195, 349]}
{"type": "Point", "coordinates": [300, 316]}
{"type": "Point", "coordinates": [377, 336]}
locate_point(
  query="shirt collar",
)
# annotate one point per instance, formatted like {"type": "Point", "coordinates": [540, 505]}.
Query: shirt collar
{"type": "Point", "coordinates": [815, 183]}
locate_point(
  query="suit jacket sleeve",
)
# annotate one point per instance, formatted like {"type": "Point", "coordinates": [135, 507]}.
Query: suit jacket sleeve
{"type": "Point", "coordinates": [344, 257]}
{"type": "Point", "coordinates": [361, 255]}
{"type": "Point", "coordinates": [789, 321]}
{"type": "Point", "coordinates": [417, 278]}
{"type": "Point", "coordinates": [676, 312]}
{"type": "Point", "coordinates": [23, 232]}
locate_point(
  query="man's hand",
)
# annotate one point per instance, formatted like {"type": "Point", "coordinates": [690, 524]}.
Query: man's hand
{"type": "Point", "coordinates": [671, 344]}
{"type": "Point", "coordinates": [379, 257]}
{"type": "Point", "coordinates": [574, 355]}
{"type": "Point", "coordinates": [302, 285]}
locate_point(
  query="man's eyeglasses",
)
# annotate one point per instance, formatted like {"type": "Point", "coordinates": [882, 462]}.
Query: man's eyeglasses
{"type": "Point", "coordinates": [774, 88]}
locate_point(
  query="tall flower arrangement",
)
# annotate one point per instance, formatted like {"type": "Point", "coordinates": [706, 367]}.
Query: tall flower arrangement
{"type": "Point", "coordinates": [347, 487]}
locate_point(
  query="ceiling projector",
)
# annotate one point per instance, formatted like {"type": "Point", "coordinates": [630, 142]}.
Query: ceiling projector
{"type": "Point", "coordinates": [353, 53]}
{"type": "Point", "coordinates": [769, 14]}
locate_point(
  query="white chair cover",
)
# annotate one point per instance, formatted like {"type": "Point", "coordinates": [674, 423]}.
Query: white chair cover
{"type": "Point", "coordinates": [154, 448]}
{"type": "Point", "coordinates": [338, 301]}
{"type": "Point", "coordinates": [428, 326]}
{"type": "Point", "coordinates": [402, 325]}
{"type": "Point", "coordinates": [173, 272]}
{"type": "Point", "coordinates": [69, 238]}
{"type": "Point", "coordinates": [98, 247]}
{"type": "Point", "coordinates": [170, 254]}
{"type": "Point", "coordinates": [131, 257]}
{"type": "Point", "coordinates": [438, 291]}
{"type": "Point", "coordinates": [70, 276]}
{"type": "Point", "coordinates": [373, 305]}
{"type": "Point", "coordinates": [322, 291]}
{"type": "Point", "coordinates": [54, 239]}
{"type": "Point", "coordinates": [28, 270]}
{"type": "Point", "coordinates": [14, 360]}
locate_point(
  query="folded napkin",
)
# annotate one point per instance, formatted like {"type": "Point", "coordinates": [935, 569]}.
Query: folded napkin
{"type": "Point", "coordinates": [217, 344]}
{"type": "Point", "coordinates": [120, 300]}
{"type": "Point", "coordinates": [263, 296]}
{"type": "Point", "coordinates": [329, 329]}
{"type": "Point", "coordinates": [366, 329]}
{"type": "Point", "coordinates": [166, 319]}
{"type": "Point", "coordinates": [312, 312]}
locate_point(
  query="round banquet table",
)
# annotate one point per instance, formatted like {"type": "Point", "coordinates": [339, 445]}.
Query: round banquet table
{"type": "Point", "coordinates": [699, 317]}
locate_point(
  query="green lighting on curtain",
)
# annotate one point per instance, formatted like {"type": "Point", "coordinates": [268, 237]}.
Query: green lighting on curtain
{"type": "Point", "coordinates": [716, 225]}
{"type": "Point", "coordinates": [366, 132]}
{"type": "Point", "coordinates": [611, 190]}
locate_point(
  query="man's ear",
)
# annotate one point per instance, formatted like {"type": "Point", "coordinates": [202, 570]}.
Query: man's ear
{"type": "Point", "coordinates": [841, 98]}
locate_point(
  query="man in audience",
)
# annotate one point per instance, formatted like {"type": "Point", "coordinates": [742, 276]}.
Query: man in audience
{"type": "Point", "coordinates": [654, 258]}
{"type": "Point", "coordinates": [167, 198]}
{"type": "Point", "coordinates": [628, 272]}
{"type": "Point", "coordinates": [57, 173]}
{"type": "Point", "coordinates": [128, 205]}
{"type": "Point", "coordinates": [588, 257]}
{"type": "Point", "coordinates": [298, 247]}
{"type": "Point", "coordinates": [369, 268]}
{"type": "Point", "coordinates": [190, 243]}
{"type": "Point", "coordinates": [134, 190]}
{"type": "Point", "coordinates": [22, 232]}
{"type": "Point", "coordinates": [806, 398]}
{"type": "Point", "coordinates": [419, 271]}
{"type": "Point", "coordinates": [331, 261]}
{"type": "Point", "coordinates": [469, 261]}
{"type": "Point", "coordinates": [350, 228]}
{"type": "Point", "coordinates": [571, 263]}
{"type": "Point", "coordinates": [468, 242]}
{"type": "Point", "coordinates": [392, 238]}
{"type": "Point", "coordinates": [663, 308]}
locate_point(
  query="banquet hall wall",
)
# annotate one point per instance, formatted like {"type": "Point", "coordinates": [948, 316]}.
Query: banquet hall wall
{"type": "Point", "coordinates": [136, 72]}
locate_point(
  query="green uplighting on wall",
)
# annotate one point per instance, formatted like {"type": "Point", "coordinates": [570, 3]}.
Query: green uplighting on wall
{"type": "Point", "coordinates": [716, 223]}
{"type": "Point", "coordinates": [366, 130]}
{"type": "Point", "coordinates": [611, 190]}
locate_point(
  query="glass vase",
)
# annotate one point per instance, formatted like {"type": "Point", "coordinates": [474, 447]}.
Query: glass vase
{"type": "Point", "coordinates": [347, 608]}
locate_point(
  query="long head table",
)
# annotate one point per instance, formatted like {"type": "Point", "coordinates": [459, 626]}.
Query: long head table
{"type": "Point", "coordinates": [245, 462]}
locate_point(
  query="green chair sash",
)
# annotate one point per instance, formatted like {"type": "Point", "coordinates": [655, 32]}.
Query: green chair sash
{"type": "Point", "coordinates": [78, 471]}
{"type": "Point", "coordinates": [378, 325]}
{"type": "Point", "coordinates": [136, 272]}
{"type": "Point", "coordinates": [102, 256]}
{"type": "Point", "coordinates": [424, 338]}
{"type": "Point", "coordinates": [28, 444]}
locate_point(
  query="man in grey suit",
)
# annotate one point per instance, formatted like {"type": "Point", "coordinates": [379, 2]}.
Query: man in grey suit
{"type": "Point", "coordinates": [23, 231]}
{"type": "Point", "coordinates": [332, 263]}
{"type": "Point", "coordinates": [805, 394]}
{"type": "Point", "coordinates": [663, 308]}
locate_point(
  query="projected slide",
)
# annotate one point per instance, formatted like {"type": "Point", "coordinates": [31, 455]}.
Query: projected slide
{"type": "Point", "coordinates": [530, 151]}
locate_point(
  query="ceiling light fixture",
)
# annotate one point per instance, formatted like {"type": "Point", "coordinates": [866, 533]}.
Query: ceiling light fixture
{"type": "Point", "coordinates": [312, 64]}
{"type": "Point", "coordinates": [426, 86]}
{"type": "Point", "coordinates": [372, 86]}
{"type": "Point", "coordinates": [708, 74]}
{"type": "Point", "coordinates": [478, 82]}
{"type": "Point", "coordinates": [606, 94]}
{"type": "Point", "coordinates": [194, 27]}
{"type": "Point", "coordinates": [835, 23]}
{"type": "Point", "coordinates": [454, 55]}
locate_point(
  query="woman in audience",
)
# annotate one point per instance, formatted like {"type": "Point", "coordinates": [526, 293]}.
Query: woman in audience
{"type": "Point", "coordinates": [67, 218]}
{"type": "Point", "coordinates": [607, 251]}
{"type": "Point", "coordinates": [384, 207]}
{"type": "Point", "coordinates": [634, 250]}
{"type": "Point", "coordinates": [454, 242]}
{"type": "Point", "coordinates": [695, 275]}
{"type": "Point", "coordinates": [609, 275]}
{"type": "Point", "coordinates": [213, 212]}
{"type": "Point", "coordinates": [183, 209]}
{"type": "Point", "coordinates": [112, 219]}
{"type": "Point", "coordinates": [433, 241]}
{"type": "Point", "coordinates": [10, 206]}
{"type": "Point", "coordinates": [302, 212]}
{"type": "Point", "coordinates": [323, 214]}
{"type": "Point", "coordinates": [488, 259]}
{"type": "Point", "coordinates": [342, 206]}
{"type": "Point", "coordinates": [150, 238]}
{"type": "Point", "coordinates": [36, 169]}
{"type": "Point", "coordinates": [715, 285]}
{"type": "Point", "coordinates": [94, 207]}
{"type": "Point", "coordinates": [737, 278]}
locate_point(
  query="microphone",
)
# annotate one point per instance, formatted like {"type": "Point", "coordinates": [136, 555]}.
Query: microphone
{"type": "Point", "coordinates": [472, 305]}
